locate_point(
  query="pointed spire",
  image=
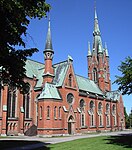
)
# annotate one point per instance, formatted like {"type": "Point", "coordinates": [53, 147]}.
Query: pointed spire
{"type": "Point", "coordinates": [89, 51]}
{"type": "Point", "coordinates": [48, 45]}
{"type": "Point", "coordinates": [95, 14]}
{"type": "Point", "coordinates": [106, 50]}
{"type": "Point", "coordinates": [96, 25]}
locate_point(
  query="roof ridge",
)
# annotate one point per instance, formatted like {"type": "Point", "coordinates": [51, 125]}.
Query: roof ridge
{"type": "Point", "coordinates": [35, 61]}
{"type": "Point", "coordinates": [59, 63]}
{"type": "Point", "coordinates": [83, 77]}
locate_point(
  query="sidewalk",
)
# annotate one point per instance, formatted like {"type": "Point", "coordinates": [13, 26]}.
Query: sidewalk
{"type": "Point", "coordinates": [38, 142]}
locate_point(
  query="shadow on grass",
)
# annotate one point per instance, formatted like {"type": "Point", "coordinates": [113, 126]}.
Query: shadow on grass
{"type": "Point", "coordinates": [22, 145]}
{"type": "Point", "coordinates": [124, 140]}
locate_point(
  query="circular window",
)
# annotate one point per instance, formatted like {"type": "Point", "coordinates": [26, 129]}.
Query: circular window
{"type": "Point", "coordinates": [70, 98]}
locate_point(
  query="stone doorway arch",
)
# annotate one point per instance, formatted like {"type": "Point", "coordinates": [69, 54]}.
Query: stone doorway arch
{"type": "Point", "coordinates": [71, 125]}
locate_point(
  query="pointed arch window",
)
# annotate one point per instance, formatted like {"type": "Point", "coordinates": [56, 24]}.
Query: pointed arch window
{"type": "Point", "coordinates": [113, 109]}
{"type": "Point", "coordinates": [48, 112]}
{"type": "Point", "coordinates": [55, 111]}
{"type": "Point", "coordinates": [100, 107]}
{"type": "Point", "coordinates": [26, 100]}
{"type": "Point", "coordinates": [82, 104]}
{"type": "Point", "coordinates": [95, 75]}
{"type": "Point", "coordinates": [11, 99]}
{"type": "Point", "coordinates": [70, 80]}
{"type": "Point", "coordinates": [41, 109]}
{"type": "Point", "coordinates": [100, 114]}
{"type": "Point", "coordinates": [92, 113]}
{"type": "Point", "coordinates": [59, 112]}
{"type": "Point", "coordinates": [107, 107]}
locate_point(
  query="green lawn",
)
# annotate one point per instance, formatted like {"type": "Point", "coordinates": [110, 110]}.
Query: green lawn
{"type": "Point", "coordinates": [97, 143]}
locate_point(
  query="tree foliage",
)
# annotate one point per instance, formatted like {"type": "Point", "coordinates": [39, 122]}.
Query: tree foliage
{"type": "Point", "coordinates": [15, 16]}
{"type": "Point", "coordinates": [125, 81]}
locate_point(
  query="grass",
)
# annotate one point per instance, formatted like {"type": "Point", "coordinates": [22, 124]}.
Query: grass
{"type": "Point", "coordinates": [123, 142]}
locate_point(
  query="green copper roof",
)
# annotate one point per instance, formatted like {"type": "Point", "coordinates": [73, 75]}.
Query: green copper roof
{"type": "Point", "coordinates": [49, 92]}
{"type": "Point", "coordinates": [88, 85]}
{"type": "Point", "coordinates": [60, 71]}
{"type": "Point", "coordinates": [34, 69]}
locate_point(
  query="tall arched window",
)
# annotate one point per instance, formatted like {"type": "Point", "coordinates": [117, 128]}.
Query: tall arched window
{"type": "Point", "coordinates": [107, 107]}
{"type": "Point", "coordinates": [55, 110]}
{"type": "Point", "coordinates": [82, 103]}
{"type": "Point", "coordinates": [11, 102]}
{"type": "Point", "coordinates": [40, 112]}
{"type": "Point", "coordinates": [100, 114]}
{"type": "Point", "coordinates": [95, 75]}
{"type": "Point", "coordinates": [48, 112]}
{"type": "Point", "coordinates": [70, 80]}
{"type": "Point", "coordinates": [91, 105]}
{"type": "Point", "coordinates": [26, 100]}
{"type": "Point", "coordinates": [91, 113]}
{"type": "Point", "coordinates": [59, 112]}
{"type": "Point", "coordinates": [100, 107]}
{"type": "Point", "coordinates": [107, 114]}
{"type": "Point", "coordinates": [114, 114]}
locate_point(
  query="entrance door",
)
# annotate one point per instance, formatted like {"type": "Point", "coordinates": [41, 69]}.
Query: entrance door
{"type": "Point", "coordinates": [69, 128]}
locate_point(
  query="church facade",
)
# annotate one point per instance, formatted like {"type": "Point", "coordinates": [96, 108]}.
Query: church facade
{"type": "Point", "coordinates": [57, 101]}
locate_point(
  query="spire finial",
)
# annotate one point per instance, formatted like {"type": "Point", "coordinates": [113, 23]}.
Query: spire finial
{"type": "Point", "coordinates": [49, 19]}
{"type": "Point", "coordinates": [95, 9]}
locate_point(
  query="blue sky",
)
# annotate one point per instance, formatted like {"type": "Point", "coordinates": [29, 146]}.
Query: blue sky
{"type": "Point", "coordinates": [72, 24]}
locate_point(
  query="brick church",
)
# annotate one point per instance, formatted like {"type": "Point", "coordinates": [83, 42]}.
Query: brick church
{"type": "Point", "coordinates": [57, 101]}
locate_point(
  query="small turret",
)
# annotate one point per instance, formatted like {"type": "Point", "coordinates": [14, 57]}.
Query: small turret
{"type": "Point", "coordinates": [48, 56]}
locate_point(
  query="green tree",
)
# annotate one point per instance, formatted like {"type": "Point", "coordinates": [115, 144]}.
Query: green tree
{"type": "Point", "coordinates": [125, 81]}
{"type": "Point", "coordinates": [15, 16]}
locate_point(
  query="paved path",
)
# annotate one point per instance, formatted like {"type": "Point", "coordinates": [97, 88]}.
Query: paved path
{"type": "Point", "coordinates": [53, 140]}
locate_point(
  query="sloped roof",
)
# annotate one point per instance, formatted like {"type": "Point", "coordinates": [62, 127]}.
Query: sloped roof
{"type": "Point", "coordinates": [49, 92]}
{"type": "Point", "coordinates": [87, 85]}
{"type": "Point", "coordinates": [34, 68]}
{"type": "Point", "coordinates": [113, 95]}
{"type": "Point", "coordinates": [60, 70]}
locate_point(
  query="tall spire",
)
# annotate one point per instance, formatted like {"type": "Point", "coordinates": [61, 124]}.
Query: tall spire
{"type": "Point", "coordinates": [96, 25]}
{"type": "Point", "coordinates": [48, 45]}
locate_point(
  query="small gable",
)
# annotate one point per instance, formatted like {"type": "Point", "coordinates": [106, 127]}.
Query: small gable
{"type": "Point", "coordinates": [70, 79]}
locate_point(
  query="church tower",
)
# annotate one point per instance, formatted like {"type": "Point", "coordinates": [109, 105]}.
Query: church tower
{"type": "Point", "coordinates": [48, 56]}
{"type": "Point", "coordinates": [98, 60]}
